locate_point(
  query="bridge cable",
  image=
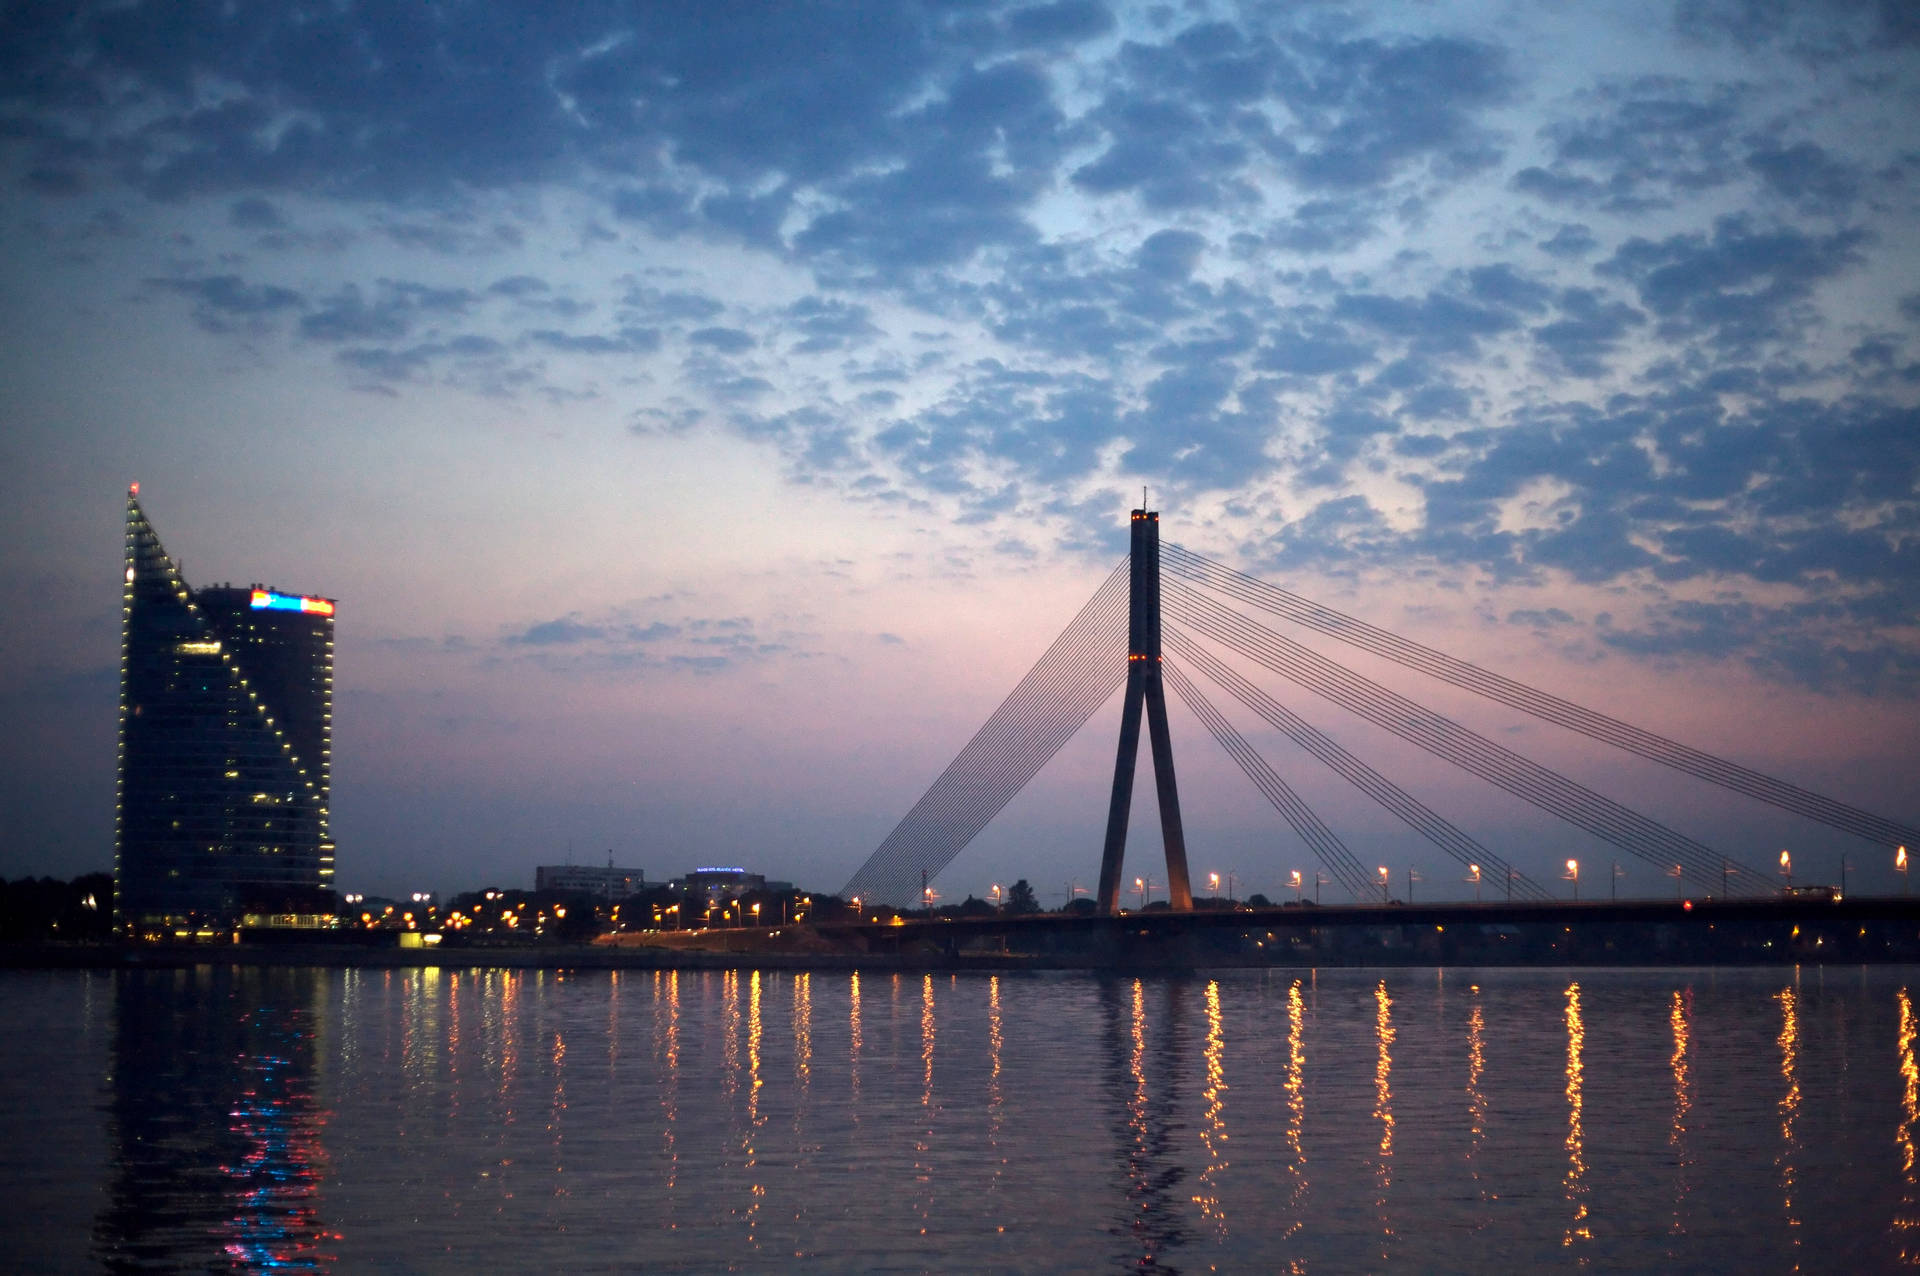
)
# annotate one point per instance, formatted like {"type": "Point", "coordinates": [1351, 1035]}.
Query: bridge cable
{"type": "Point", "coordinates": [1544, 788]}
{"type": "Point", "coordinates": [1573, 802]}
{"type": "Point", "coordinates": [997, 763]}
{"type": "Point", "coordinates": [1541, 704]}
{"type": "Point", "coordinates": [1429, 823]}
{"type": "Point", "coordinates": [1321, 840]}
{"type": "Point", "coordinates": [1079, 672]}
{"type": "Point", "coordinates": [1029, 726]}
{"type": "Point", "coordinates": [1014, 744]}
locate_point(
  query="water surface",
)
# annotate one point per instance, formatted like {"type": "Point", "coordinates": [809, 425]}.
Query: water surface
{"type": "Point", "coordinates": [429, 1120]}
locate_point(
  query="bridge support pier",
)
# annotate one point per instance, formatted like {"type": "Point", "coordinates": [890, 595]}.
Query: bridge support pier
{"type": "Point", "coordinates": [1145, 690]}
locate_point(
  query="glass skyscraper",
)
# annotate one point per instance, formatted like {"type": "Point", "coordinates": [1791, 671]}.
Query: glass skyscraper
{"type": "Point", "coordinates": [226, 742]}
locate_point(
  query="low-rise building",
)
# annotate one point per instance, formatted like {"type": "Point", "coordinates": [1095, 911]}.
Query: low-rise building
{"type": "Point", "coordinates": [716, 884]}
{"type": "Point", "coordinates": [605, 881]}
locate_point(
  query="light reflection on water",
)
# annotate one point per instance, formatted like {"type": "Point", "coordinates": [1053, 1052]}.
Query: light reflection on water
{"type": "Point", "coordinates": [1789, 1114]}
{"type": "Point", "coordinates": [435, 1121]}
{"type": "Point", "coordinates": [1576, 1180]}
{"type": "Point", "coordinates": [1680, 1016]}
{"type": "Point", "coordinates": [1383, 1113]}
{"type": "Point", "coordinates": [1907, 1219]}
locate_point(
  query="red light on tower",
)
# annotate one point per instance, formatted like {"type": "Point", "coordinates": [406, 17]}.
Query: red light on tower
{"type": "Point", "coordinates": [133, 488]}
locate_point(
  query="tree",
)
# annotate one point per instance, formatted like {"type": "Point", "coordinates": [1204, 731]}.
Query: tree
{"type": "Point", "coordinates": [1021, 899]}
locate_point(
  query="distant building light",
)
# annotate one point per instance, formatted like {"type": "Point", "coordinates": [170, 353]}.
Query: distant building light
{"type": "Point", "coordinates": [719, 870]}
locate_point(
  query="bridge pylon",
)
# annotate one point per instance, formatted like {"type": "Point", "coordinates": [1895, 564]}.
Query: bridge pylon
{"type": "Point", "coordinates": [1145, 690]}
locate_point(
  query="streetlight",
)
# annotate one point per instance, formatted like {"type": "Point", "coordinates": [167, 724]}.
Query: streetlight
{"type": "Point", "coordinates": [1213, 884]}
{"type": "Point", "coordinates": [1573, 875]}
{"type": "Point", "coordinates": [1473, 875]}
{"type": "Point", "coordinates": [756, 914]}
{"type": "Point", "coordinates": [1412, 877]}
{"type": "Point", "coordinates": [1319, 879]}
{"type": "Point", "coordinates": [996, 894]}
{"type": "Point", "coordinates": [1613, 882]}
{"type": "Point", "coordinates": [1298, 888]}
{"type": "Point", "coordinates": [1383, 883]}
{"type": "Point", "coordinates": [1675, 873]}
{"type": "Point", "coordinates": [1900, 866]}
{"type": "Point", "coordinates": [1786, 868]}
{"type": "Point", "coordinates": [1140, 884]}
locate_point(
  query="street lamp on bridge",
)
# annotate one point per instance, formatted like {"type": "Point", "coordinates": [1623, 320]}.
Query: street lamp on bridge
{"type": "Point", "coordinates": [1786, 868]}
{"type": "Point", "coordinates": [1573, 875]}
{"type": "Point", "coordinates": [1900, 867]}
{"type": "Point", "coordinates": [1384, 876]}
{"type": "Point", "coordinates": [1473, 875]}
{"type": "Point", "coordinates": [1298, 887]}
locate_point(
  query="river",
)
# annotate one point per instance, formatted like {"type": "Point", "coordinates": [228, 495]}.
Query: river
{"type": "Point", "coordinates": [434, 1120]}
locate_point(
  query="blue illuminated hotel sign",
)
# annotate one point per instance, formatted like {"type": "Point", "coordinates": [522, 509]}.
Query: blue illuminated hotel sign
{"type": "Point", "coordinates": [268, 600]}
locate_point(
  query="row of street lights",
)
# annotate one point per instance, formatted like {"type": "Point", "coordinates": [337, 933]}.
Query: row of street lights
{"type": "Point", "coordinates": [1573, 875]}
{"type": "Point", "coordinates": [1297, 882]}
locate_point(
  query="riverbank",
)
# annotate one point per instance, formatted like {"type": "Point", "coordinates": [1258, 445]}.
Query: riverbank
{"type": "Point", "coordinates": [1770, 932]}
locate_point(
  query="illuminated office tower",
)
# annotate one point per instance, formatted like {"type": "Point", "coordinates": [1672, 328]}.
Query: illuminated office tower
{"type": "Point", "coordinates": [226, 724]}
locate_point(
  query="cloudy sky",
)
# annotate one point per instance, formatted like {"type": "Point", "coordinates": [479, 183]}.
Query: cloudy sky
{"type": "Point", "coordinates": [705, 413]}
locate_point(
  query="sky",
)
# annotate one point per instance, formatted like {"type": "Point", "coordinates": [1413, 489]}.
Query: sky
{"type": "Point", "coordinates": [704, 414]}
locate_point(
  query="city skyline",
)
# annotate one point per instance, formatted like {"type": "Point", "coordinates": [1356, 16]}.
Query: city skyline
{"type": "Point", "coordinates": [705, 419]}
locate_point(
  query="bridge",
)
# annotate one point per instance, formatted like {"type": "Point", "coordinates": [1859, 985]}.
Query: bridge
{"type": "Point", "coordinates": [1169, 617]}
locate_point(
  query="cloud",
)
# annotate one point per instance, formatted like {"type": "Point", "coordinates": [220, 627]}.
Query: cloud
{"type": "Point", "coordinates": [394, 310]}
{"type": "Point", "coordinates": [1589, 330]}
{"type": "Point", "coordinates": [1068, 21]}
{"type": "Point", "coordinates": [1738, 286]}
{"type": "Point", "coordinates": [627, 341]}
{"type": "Point", "coordinates": [618, 640]}
{"type": "Point", "coordinates": [563, 631]}
{"type": "Point", "coordinates": [989, 261]}
{"type": "Point", "coordinates": [724, 340]}
{"type": "Point", "coordinates": [1571, 240]}
{"type": "Point", "coordinates": [255, 213]}
{"type": "Point", "coordinates": [1442, 322]}
{"type": "Point", "coordinates": [1650, 142]}
{"type": "Point", "coordinates": [827, 324]}
{"type": "Point", "coordinates": [226, 303]}
{"type": "Point", "coordinates": [1807, 174]}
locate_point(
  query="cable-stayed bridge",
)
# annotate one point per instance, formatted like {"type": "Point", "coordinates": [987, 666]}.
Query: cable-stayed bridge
{"type": "Point", "coordinates": [1165, 616]}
